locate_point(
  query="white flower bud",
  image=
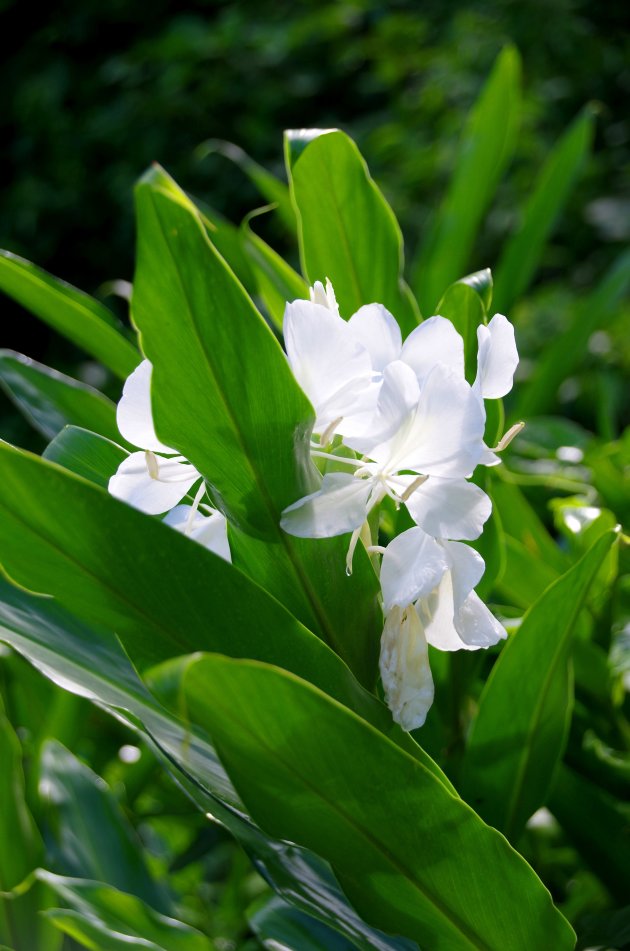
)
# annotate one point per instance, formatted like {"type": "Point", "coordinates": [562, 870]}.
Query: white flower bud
{"type": "Point", "coordinates": [404, 666]}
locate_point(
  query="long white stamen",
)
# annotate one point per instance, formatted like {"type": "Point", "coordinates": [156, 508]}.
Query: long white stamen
{"type": "Point", "coordinates": [412, 488]}
{"type": "Point", "coordinates": [376, 549]}
{"type": "Point", "coordinates": [353, 544]}
{"type": "Point", "coordinates": [506, 439]}
{"type": "Point", "coordinates": [334, 458]}
{"type": "Point", "coordinates": [329, 432]}
{"type": "Point", "coordinates": [194, 507]}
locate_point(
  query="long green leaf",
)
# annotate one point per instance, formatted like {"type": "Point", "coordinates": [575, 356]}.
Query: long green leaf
{"type": "Point", "coordinates": [90, 662]}
{"type": "Point", "coordinates": [51, 400]}
{"type": "Point", "coordinates": [109, 564]}
{"type": "Point", "coordinates": [347, 231]}
{"type": "Point", "coordinates": [523, 252]}
{"type": "Point", "coordinates": [88, 834]}
{"type": "Point", "coordinates": [117, 919]}
{"type": "Point", "coordinates": [224, 396]}
{"type": "Point", "coordinates": [276, 280]}
{"type": "Point", "coordinates": [486, 148]}
{"type": "Point", "coordinates": [91, 456]}
{"type": "Point", "coordinates": [520, 732]}
{"type": "Point", "coordinates": [79, 317]}
{"type": "Point", "coordinates": [414, 859]}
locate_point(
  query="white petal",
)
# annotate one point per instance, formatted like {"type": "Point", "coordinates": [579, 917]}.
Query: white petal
{"type": "Point", "coordinates": [412, 566]}
{"type": "Point", "coordinates": [404, 667]}
{"type": "Point", "coordinates": [340, 506]}
{"type": "Point", "coordinates": [209, 530]}
{"type": "Point", "coordinates": [434, 341]}
{"type": "Point", "coordinates": [450, 508]}
{"type": "Point", "coordinates": [325, 296]}
{"type": "Point", "coordinates": [467, 568]}
{"type": "Point", "coordinates": [397, 397]}
{"type": "Point", "coordinates": [476, 625]}
{"type": "Point", "coordinates": [329, 364]}
{"type": "Point", "coordinates": [134, 416]}
{"type": "Point", "coordinates": [444, 436]}
{"type": "Point", "coordinates": [133, 484]}
{"type": "Point", "coordinates": [497, 358]}
{"type": "Point", "coordinates": [374, 327]}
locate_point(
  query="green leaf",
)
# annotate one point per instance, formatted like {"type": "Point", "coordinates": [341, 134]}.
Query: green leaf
{"type": "Point", "coordinates": [90, 662]}
{"type": "Point", "coordinates": [107, 563]}
{"type": "Point", "coordinates": [117, 919]}
{"type": "Point", "coordinates": [414, 859]}
{"type": "Point", "coordinates": [566, 352]}
{"type": "Point", "coordinates": [597, 824]}
{"type": "Point", "coordinates": [276, 280]}
{"type": "Point", "coordinates": [51, 400]}
{"type": "Point", "coordinates": [271, 188]}
{"type": "Point", "coordinates": [278, 925]}
{"type": "Point", "coordinates": [523, 252]}
{"type": "Point", "coordinates": [520, 731]}
{"type": "Point", "coordinates": [85, 453]}
{"type": "Point", "coordinates": [224, 396]}
{"type": "Point", "coordinates": [79, 317]}
{"type": "Point", "coordinates": [486, 148]}
{"type": "Point", "coordinates": [89, 835]}
{"type": "Point", "coordinates": [346, 229]}
{"type": "Point", "coordinates": [464, 307]}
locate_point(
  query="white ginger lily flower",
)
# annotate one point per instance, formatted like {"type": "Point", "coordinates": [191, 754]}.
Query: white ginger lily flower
{"type": "Point", "coordinates": [428, 598]}
{"type": "Point", "coordinates": [156, 479]}
{"type": "Point", "coordinates": [434, 430]}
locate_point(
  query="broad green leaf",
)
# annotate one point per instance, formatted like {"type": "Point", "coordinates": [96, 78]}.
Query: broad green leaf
{"type": "Point", "coordinates": [107, 563]}
{"type": "Point", "coordinates": [88, 834]}
{"type": "Point", "coordinates": [117, 919]}
{"type": "Point", "coordinates": [271, 188]}
{"type": "Point", "coordinates": [51, 400]}
{"type": "Point", "coordinates": [276, 280]}
{"type": "Point", "coordinates": [277, 924]}
{"type": "Point", "coordinates": [85, 453]}
{"type": "Point", "coordinates": [486, 148]}
{"type": "Point", "coordinates": [224, 396]}
{"type": "Point", "coordinates": [79, 317]}
{"type": "Point", "coordinates": [521, 522]}
{"type": "Point", "coordinates": [464, 307]}
{"type": "Point", "coordinates": [414, 859]}
{"type": "Point", "coordinates": [523, 252]}
{"type": "Point", "coordinates": [597, 824]}
{"type": "Point", "coordinates": [226, 238]}
{"type": "Point", "coordinates": [346, 229]}
{"type": "Point", "coordinates": [567, 351]}
{"type": "Point", "coordinates": [90, 662]}
{"type": "Point", "coordinates": [521, 728]}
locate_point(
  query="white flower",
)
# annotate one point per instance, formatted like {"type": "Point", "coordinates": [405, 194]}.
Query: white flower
{"type": "Point", "coordinates": [433, 430]}
{"type": "Point", "coordinates": [156, 479]}
{"type": "Point", "coordinates": [149, 481]}
{"type": "Point", "coordinates": [438, 576]}
{"type": "Point", "coordinates": [404, 667]}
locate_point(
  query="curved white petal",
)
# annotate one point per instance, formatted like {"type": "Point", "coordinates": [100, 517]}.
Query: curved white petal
{"type": "Point", "coordinates": [133, 414]}
{"type": "Point", "coordinates": [132, 483]}
{"type": "Point", "coordinates": [374, 327]}
{"type": "Point", "coordinates": [476, 625]}
{"type": "Point", "coordinates": [497, 358]}
{"type": "Point", "coordinates": [340, 506]}
{"type": "Point", "coordinates": [434, 341]}
{"type": "Point", "coordinates": [450, 508]}
{"type": "Point", "coordinates": [404, 667]}
{"type": "Point", "coordinates": [467, 568]}
{"type": "Point", "coordinates": [412, 566]}
{"type": "Point", "coordinates": [397, 397]}
{"type": "Point", "coordinates": [437, 614]}
{"type": "Point", "coordinates": [329, 364]}
{"type": "Point", "coordinates": [443, 436]}
{"type": "Point", "coordinates": [209, 530]}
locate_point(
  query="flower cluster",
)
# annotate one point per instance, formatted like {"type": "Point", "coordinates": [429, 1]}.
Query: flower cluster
{"type": "Point", "coordinates": [156, 479]}
{"type": "Point", "coordinates": [404, 423]}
